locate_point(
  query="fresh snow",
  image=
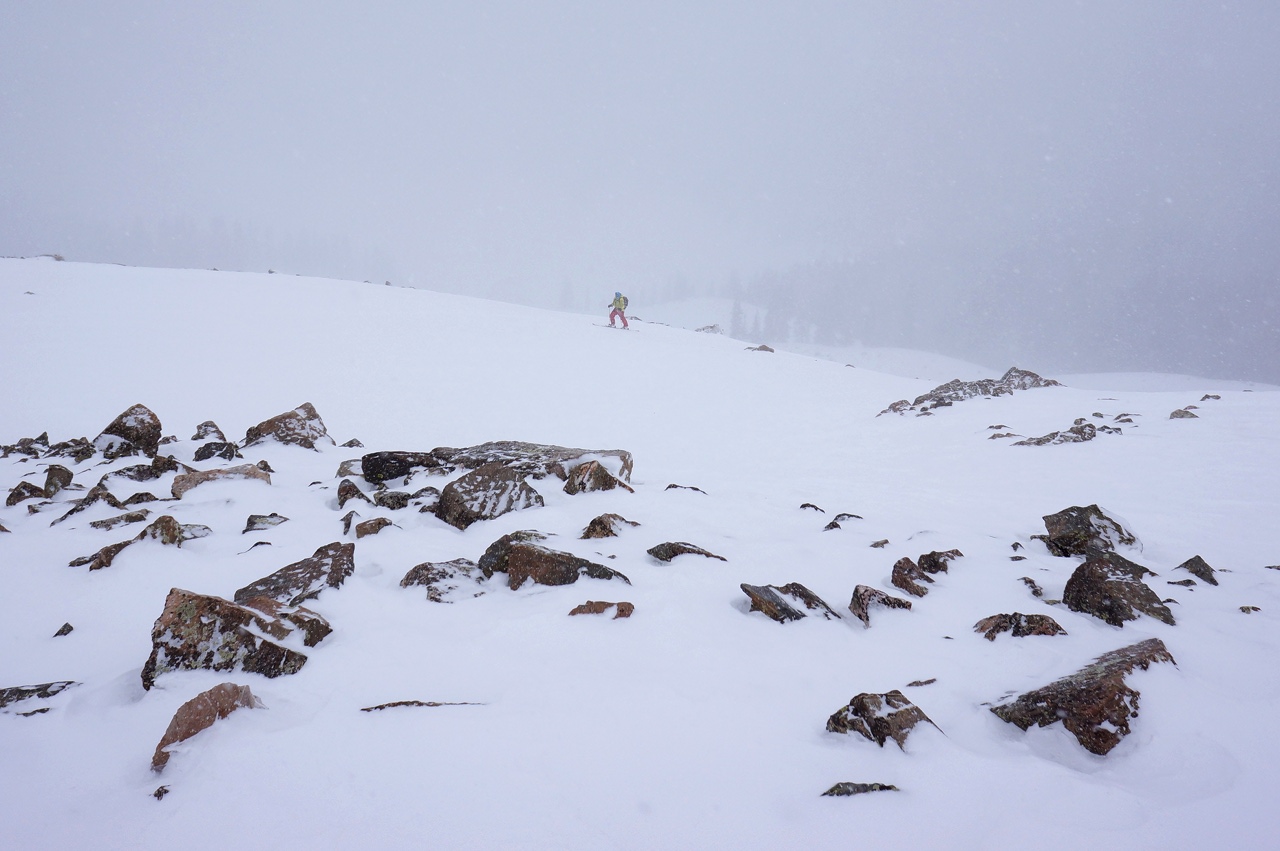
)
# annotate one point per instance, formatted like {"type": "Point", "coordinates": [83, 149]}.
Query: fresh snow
{"type": "Point", "coordinates": [692, 724]}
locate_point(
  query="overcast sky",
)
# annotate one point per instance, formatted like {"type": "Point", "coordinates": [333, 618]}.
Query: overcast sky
{"type": "Point", "coordinates": [513, 147]}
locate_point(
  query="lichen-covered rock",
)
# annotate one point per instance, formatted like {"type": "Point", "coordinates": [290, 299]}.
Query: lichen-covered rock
{"type": "Point", "coordinates": [671, 549]}
{"type": "Point", "coordinates": [218, 449]}
{"type": "Point", "coordinates": [372, 527]}
{"type": "Point", "coordinates": [187, 481]}
{"type": "Point", "coordinates": [1095, 703]}
{"type": "Point", "coordinates": [349, 490]}
{"type": "Point", "coordinates": [199, 632]}
{"type": "Point", "coordinates": [18, 694]}
{"type": "Point", "coordinates": [1018, 625]}
{"type": "Point", "coordinates": [864, 597]}
{"type": "Point", "coordinates": [328, 567]}
{"type": "Point", "coordinates": [485, 493]}
{"type": "Point", "coordinates": [904, 576]}
{"type": "Point", "coordinates": [522, 557]}
{"type": "Point", "coordinates": [445, 579]}
{"type": "Point", "coordinates": [948, 394]}
{"type": "Point", "coordinates": [1110, 588]}
{"type": "Point", "coordinates": [606, 526]}
{"type": "Point", "coordinates": [300, 427]}
{"type": "Point", "coordinates": [775, 601]}
{"type": "Point", "coordinates": [1199, 568]}
{"type": "Point", "coordinates": [841, 790]}
{"type": "Point", "coordinates": [622, 609]}
{"type": "Point", "coordinates": [136, 431]}
{"type": "Point", "coordinates": [1083, 531]}
{"type": "Point", "coordinates": [1076, 434]}
{"type": "Point", "coordinates": [199, 713]}
{"type": "Point", "coordinates": [56, 479]}
{"type": "Point", "coordinates": [593, 476]}
{"type": "Point", "coordinates": [879, 717]}
{"type": "Point", "coordinates": [259, 522]}
{"type": "Point", "coordinates": [314, 628]}
{"type": "Point", "coordinates": [208, 430]}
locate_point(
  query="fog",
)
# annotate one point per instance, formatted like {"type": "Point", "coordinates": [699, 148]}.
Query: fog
{"type": "Point", "coordinates": [1069, 186]}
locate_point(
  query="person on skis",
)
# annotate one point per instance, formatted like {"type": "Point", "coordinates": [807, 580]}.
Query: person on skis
{"type": "Point", "coordinates": [619, 311]}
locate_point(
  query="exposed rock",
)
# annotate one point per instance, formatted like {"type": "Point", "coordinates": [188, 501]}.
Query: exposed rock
{"type": "Point", "coordinates": [427, 498]}
{"type": "Point", "coordinates": [606, 526]}
{"type": "Point", "coordinates": [1094, 704]}
{"type": "Point", "coordinates": [199, 713]}
{"type": "Point", "coordinates": [522, 557]}
{"type": "Point", "coordinates": [957, 391]}
{"type": "Point", "coordinates": [65, 629]}
{"type": "Point", "coordinates": [31, 447]}
{"type": "Point", "coordinates": [349, 490]}
{"type": "Point", "coordinates": [300, 427]}
{"type": "Point", "coordinates": [347, 520]}
{"type": "Point", "coordinates": [1199, 568]}
{"type": "Point", "coordinates": [208, 430]}
{"type": "Point", "coordinates": [905, 574]}
{"type": "Point", "coordinates": [56, 478]}
{"type": "Point", "coordinates": [597, 607]}
{"type": "Point", "coordinates": [372, 527]}
{"type": "Point", "coordinates": [160, 792]}
{"type": "Point", "coordinates": [1076, 434]}
{"type": "Point", "coordinates": [919, 683]}
{"type": "Point", "coordinates": [1185, 583]}
{"type": "Point", "coordinates": [485, 493]}
{"type": "Point", "coordinates": [380, 467]}
{"type": "Point", "coordinates": [187, 481]}
{"type": "Point", "coordinates": [535, 460]}
{"type": "Point", "coordinates": [760, 348]}
{"type": "Point", "coordinates": [391, 500]}
{"type": "Point", "coordinates": [264, 466]}
{"type": "Point", "coordinates": [879, 717]}
{"type": "Point", "coordinates": [1110, 587]}
{"type": "Point", "coordinates": [1018, 625]}
{"type": "Point", "coordinates": [685, 488]}
{"type": "Point", "coordinates": [259, 522]}
{"type": "Point", "coordinates": [415, 703]}
{"type": "Point", "coordinates": [592, 476]}
{"type": "Point", "coordinates": [4, 530]}
{"type": "Point", "coordinates": [844, 516]}
{"type": "Point", "coordinates": [43, 691]}
{"type": "Point", "coordinates": [22, 491]}
{"type": "Point", "coordinates": [880, 544]}
{"type": "Point", "coordinates": [1183, 414]}
{"type": "Point", "coordinates": [710, 329]}
{"type": "Point", "coordinates": [936, 562]}
{"type": "Point", "coordinates": [96, 494]}
{"type": "Point", "coordinates": [1083, 531]}
{"type": "Point", "coordinates": [218, 449]}
{"type": "Point", "coordinates": [348, 468]}
{"type": "Point", "coordinates": [139, 498]}
{"type": "Point", "coordinates": [864, 597]}
{"type": "Point", "coordinates": [810, 505]}
{"type": "Point", "coordinates": [841, 790]}
{"type": "Point", "coordinates": [159, 465]}
{"type": "Point", "coordinates": [199, 632]}
{"type": "Point", "coordinates": [78, 449]}
{"type": "Point", "coordinates": [1248, 610]}
{"type": "Point", "coordinates": [1036, 590]}
{"type": "Point", "coordinates": [1206, 397]}
{"type": "Point", "coordinates": [165, 529]}
{"type": "Point", "coordinates": [832, 526]}
{"type": "Point", "coordinates": [442, 579]}
{"type": "Point", "coordinates": [671, 549]}
{"type": "Point", "coordinates": [135, 432]}
{"type": "Point", "coordinates": [353, 443]}
{"type": "Point", "coordinates": [772, 601]}
{"type": "Point", "coordinates": [303, 580]}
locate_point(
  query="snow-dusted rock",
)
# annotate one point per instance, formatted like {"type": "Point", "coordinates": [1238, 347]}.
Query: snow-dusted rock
{"type": "Point", "coordinates": [349, 490]}
{"type": "Point", "coordinates": [522, 557]}
{"type": "Point", "coordinates": [300, 427]}
{"type": "Point", "coordinates": [392, 500]}
{"type": "Point", "coordinates": [259, 522]}
{"type": "Point", "coordinates": [199, 713]}
{"type": "Point", "coordinates": [19, 694]}
{"type": "Point", "coordinates": [1183, 414]}
{"type": "Point", "coordinates": [775, 601]}
{"type": "Point", "coordinates": [1083, 531]}
{"type": "Point", "coordinates": [136, 431]}
{"type": "Point", "coordinates": [372, 527]}
{"type": "Point", "coordinates": [97, 493]}
{"type": "Point", "coordinates": [841, 790]}
{"type": "Point", "coordinates": [1110, 587]}
{"type": "Point", "coordinates": [187, 481]}
{"type": "Point", "coordinates": [380, 467]}
{"type": "Point", "coordinates": [606, 526]}
{"type": "Point", "coordinates": [23, 491]}
{"type": "Point", "coordinates": [1018, 625]}
{"type": "Point", "coordinates": [165, 529]}
{"type": "Point", "coordinates": [443, 579]}
{"type": "Point", "coordinates": [485, 493]}
{"type": "Point", "coordinates": [78, 449]}
{"type": "Point", "coordinates": [208, 430]}
{"type": "Point", "coordinates": [303, 580]}
{"type": "Point", "coordinates": [936, 562]}
{"type": "Point", "coordinates": [218, 449]}
{"type": "Point", "coordinates": [864, 597]}
{"type": "Point", "coordinates": [905, 574]}
{"type": "Point", "coordinates": [1076, 434]}
{"type": "Point", "coordinates": [1198, 568]}
{"type": "Point", "coordinates": [669, 550]}
{"type": "Point", "coordinates": [31, 447]}
{"type": "Point", "coordinates": [57, 478]}
{"type": "Point", "coordinates": [535, 460]}
{"type": "Point", "coordinates": [954, 391]}
{"type": "Point", "coordinates": [593, 476]}
{"type": "Point", "coordinates": [159, 466]}
{"type": "Point", "coordinates": [879, 717]}
{"type": "Point", "coordinates": [621, 609]}
{"type": "Point", "coordinates": [1094, 703]}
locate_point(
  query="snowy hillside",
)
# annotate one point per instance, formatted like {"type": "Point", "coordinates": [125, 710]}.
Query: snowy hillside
{"type": "Point", "coordinates": [693, 723]}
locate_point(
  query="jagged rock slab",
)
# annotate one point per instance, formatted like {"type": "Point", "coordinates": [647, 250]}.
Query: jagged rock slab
{"type": "Point", "coordinates": [300, 427]}
{"type": "Point", "coordinates": [671, 549]}
{"type": "Point", "coordinates": [954, 391]}
{"type": "Point", "coordinates": [1083, 531]}
{"type": "Point", "coordinates": [56, 479]}
{"type": "Point", "coordinates": [1199, 568]}
{"type": "Point", "coordinates": [259, 522]}
{"type": "Point", "coordinates": [621, 609]}
{"type": "Point", "coordinates": [1095, 703]}
{"type": "Point", "coordinates": [442, 579]}
{"type": "Point", "coordinates": [606, 526]}
{"type": "Point", "coordinates": [775, 601]}
{"type": "Point", "coordinates": [199, 714]}
{"type": "Point", "coordinates": [1018, 625]}
{"type": "Point", "coordinates": [905, 575]}
{"type": "Point", "coordinates": [485, 493]}
{"type": "Point", "coordinates": [187, 481]}
{"type": "Point", "coordinates": [78, 449]}
{"type": "Point", "coordinates": [19, 694]}
{"type": "Point", "coordinates": [521, 556]}
{"type": "Point", "coordinates": [1110, 588]}
{"type": "Point", "coordinates": [303, 580]}
{"type": "Point", "coordinates": [136, 431]}
{"type": "Point", "coordinates": [864, 597]}
{"type": "Point", "coordinates": [96, 494]}
{"type": "Point", "coordinates": [879, 718]}
{"type": "Point", "coordinates": [31, 447]}
{"type": "Point", "coordinates": [23, 491]}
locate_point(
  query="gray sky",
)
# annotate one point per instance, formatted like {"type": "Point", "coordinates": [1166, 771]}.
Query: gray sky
{"type": "Point", "coordinates": [1015, 163]}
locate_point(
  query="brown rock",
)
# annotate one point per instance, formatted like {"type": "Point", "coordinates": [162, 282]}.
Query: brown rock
{"type": "Point", "coordinates": [864, 597]}
{"type": "Point", "coordinates": [671, 549]}
{"type": "Point", "coordinates": [1110, 587]}
{"type": "Point", "coordinates": [936, 562]}
{"type": "Point", "coordinates": [348, 468]}
{"type": "Point", "coordinates": [208, 430]}
{"type": "Point", "coordinates": [521, 556]}
{"type": "Point", "coordinates": [96, 494]}
{"type": "Point", "coordinates": [606, 526]}
{"type": "Point", "coordinates": [314, 627]}
{"type": "Point", "coordinates": [534, 460]}
{"type": "Point", "coordinates": [78, 450]}
{"type": "Point", "coordinates": [775, 601]}
{"type": "Point", "coordinates": [218, 449]}
{"type": "Point", "coordinates": [377, 467]}
{"type": "Point", "coordinates": [199, 714]}
{"type": "Point", "coordinates": [1094, 703]}
{"type": "Point", "coordinates": [137, 431]}
{"type": "Point", "coordinates": [948, 394]}
{"type": "Point", "coordinates": [56, 478]}
{"type": "Point", "coordinates": [65, 629]}
{"type": "Point", "coordinates": [592, 476]}
{"type": "Point", "coordinates": [1019, 625]}
{"type": "Point", "coordinates": [303, 580]}
{"type": "Point", "coordinates": [165, 529]}
{"type": "Point", "coordinates": [187, 481]}
{"type": "Point", "coordinates": [259, 522]}
{"type": "Point", "coordinates": [372, 527]}
{"type": "Point", "coordinates": [1036, 590]}
{"type": "Point", "coordinates": [300, 427]}
{"type": "Point", "coordinates": [905, 574]}
{"type": "Point", "coordinates": [880, 544]}
{"type": "Point", "coordinates": [347, 491]}
{"type": "Point", "coordinates": [1199, 568]}
{"type": "Point", "coordinates": [597, 607]}
{"type": "Point", "coordinates": [1083, 531]}
{"type": "Point", "coordinates": [879, 717]}
{"type": "Point", "coordinates": [841, 790]}
{"type": "Point", "coordinates": [485, 493]}
{"type": "Point", "coordinates": [23, 491]}
{"type": "Point", "coordinates": [442, 579]}
{"type": "Point", "coordinates": [392, 500]}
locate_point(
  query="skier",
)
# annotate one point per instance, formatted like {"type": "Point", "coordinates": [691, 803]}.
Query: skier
{"type": "Point", "coordinates": [619, 306]}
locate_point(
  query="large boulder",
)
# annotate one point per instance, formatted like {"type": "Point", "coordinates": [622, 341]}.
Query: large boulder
{"type": "Point", "coordinates": [1018, 625]}
{"type": "Point", "coordinates": [300, 427]}
{"type": "Point", "coordinates": [23, 491]}
{"type": "Point", "coordinates": [522, 557]}
{"type": "Point", "coordinates": [56, 479]}
{"type": "Point", "coordinates": [1095, 703]}
{"type": "Point", "coordinates": [208, 430]}
{"type": "Point", "coordinates": [199, 713]}
{"type": "Point", "coordinates": [136, 431]}
{"type": "Point", "coordinates": [1110, 587]}
{"type": "Point", "coordinates": [879, 717]}
{"type": "Point", "coordinates": [775, 602]}
{"type": "Point", "coordinates": [936, 562]}
{"type": "Point", "coordinates": [187, 481]}
{"type": "Point", "coordinates": [864, 597]}
{"type": "Point", "coordinates": [485, 493]}
{"type": "Point", "coordinates": [1083, 531]}
{"type": "Point", "coordinates": [199, 632]}
{"type": "Point", "coordinates": [328, 567]}
{"type": "Point", "coordinates": [445, 579]}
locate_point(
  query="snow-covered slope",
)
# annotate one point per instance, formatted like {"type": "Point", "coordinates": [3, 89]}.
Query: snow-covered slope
{"type": "Point", "coordinates": [694, 723]}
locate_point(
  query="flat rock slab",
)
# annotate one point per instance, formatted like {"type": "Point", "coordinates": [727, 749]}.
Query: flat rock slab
{"type": "Point", "coordinates": [671, 549]}
{"type": "Point", "coordinates": [776, 602]}
{"type": "Point", "coordinates": [521, 556]}
{"type": "Point", "coordinates": [1095, 703]}
{"type": "Point", "coordinates": [879, 717]}
{"type": "Point", "coordinates": [1018, 625]}
{"type": "Point", "coordinates": [300, 427]}
{"type": "Point", "coordinates": [1110, 588]}
{"type": "Point", "coordinates": [864, 597]}
{"type": "Point", "coordinates": [199, 714]}
{"type": "Point", "coordinates": [328, 567]}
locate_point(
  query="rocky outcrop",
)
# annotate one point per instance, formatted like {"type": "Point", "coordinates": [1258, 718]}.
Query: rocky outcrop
{"type": "Point", "coordinates": [259, 522]}
{"type": "Point", "coordinates": [199, 714]}
{"type": "Point", "coordinates": [599, 607]}
{"type": "Point", "coordinates": [159, 466]}
{"type": "Point", "coordinates": [842, 790]}
{"type": "Point", "coordinates": [97, 493]}
{"type": "Point", "coordinates": [445, 579]}
{"type": "Point", "coordinates": [1032, 586]}
{"type": "Point", "coordinates": [1199, 568]}
{"type": "Point", "coordinates": [905, 575]}
{"type": "Point", "coordinates": [1018, 625]}
{"type": "Point", "coordinates": [671, 549]}
{"type": "Point", "coordinates": [485, 493]}
{"type": "Point", "coordinates": [535, 460]}
{"type": "Point", "coordinates": [948, 394]}
{"type": "Point", "coordinates": [1095, 703]}
{"type": "Point", "coordinates": [1083, 531]}
{"type": "Point", "coordinates": [378, 467]}
{"type": "Point", "coordinates": [198, 632]}
{"type": "Point", "coordinates": [372, 527]}
{"type": "Point", "coordinates": [187, 481]}
{"type": "Point", "coordinates": [606, 526]}
{"type": "Point", "coordinates": [136, 431]}
{"type": "Point", "coordinates": [19, 694]}
{"type": "Point", "coordinates": [522, 557]}
{"type": "Point", "coordinates": [1076, 434]}
{"type": "Point", "coordinates": [328, 567]}
{"type": "Point", "coordinates": [864, 597]}
{"type": "Point", "coordinates": [165, 529]}
{"type": "Point", "coordinates": [1110, 588]}
{"type": "Point", "coordinates": [300, 427]}
{"type": "Point", "coordinates": [776, 601]}
{"type": "Point", "coordinates": [593, 476]}
{"type": "Point", "coordinates": [31, 447]}
{"type": "Point", "coordinates": [879, 717]}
